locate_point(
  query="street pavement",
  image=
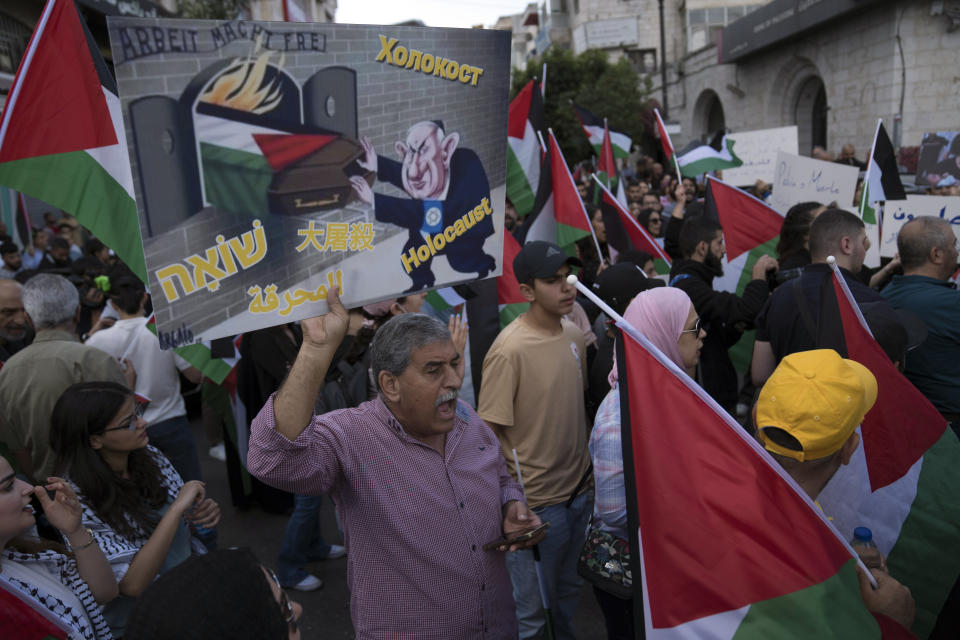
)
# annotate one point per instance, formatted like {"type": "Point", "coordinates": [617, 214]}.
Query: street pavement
{"type": "Point", "coordinates": [326, 612]}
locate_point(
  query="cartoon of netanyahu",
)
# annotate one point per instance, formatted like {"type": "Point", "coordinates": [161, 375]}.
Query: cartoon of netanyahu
{"type": "Point", "coordinates": [448, 212]}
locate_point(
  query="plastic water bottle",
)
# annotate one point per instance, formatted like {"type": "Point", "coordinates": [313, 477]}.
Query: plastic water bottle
{"type": "Point", "coordinates": [867, 549]}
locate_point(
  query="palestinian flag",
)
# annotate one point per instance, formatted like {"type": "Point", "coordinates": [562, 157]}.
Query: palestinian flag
{"type": "Point", "coordinates": [751, 229]}
{"type": "Point", "coordinates": [698, 158]}
{"type": "Point", "coordinates": [594, 126]}
{"type": "Point", "coordinates": [62, 138]}
{"type": "Point", "coordinates": [665, 143]}
{"type": "Point", "coordinates": [558, 214]}
{"type": "Point", "coordinates": [509, 299]}
{"type": "Point", "coordinates": [882, 181]}
{"type": "Point", "coordinates": [624, 233]}
{"type": "Point", "coordinates": [445, 298]}
{"type": "Point", "coordinates": [606, 167]}
{"type": "Point", "coordinates": [723, 555]}
{"type": "Point", "coordinates": [902, 480]}
{"type": "Point", "coordinates": [523, 147]}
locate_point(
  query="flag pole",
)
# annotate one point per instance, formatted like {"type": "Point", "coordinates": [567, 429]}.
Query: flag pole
{"type": "Point", "coordinates": [543, 82]}
{"type": "Point", "coordinates": [543, 146]}
{"type": "Point", "coordinates": [544, 596]}
{"type": "Point", "coordinates": [632, 331]}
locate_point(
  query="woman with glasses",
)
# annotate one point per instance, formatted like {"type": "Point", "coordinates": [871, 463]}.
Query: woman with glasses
{"type": "Point", "coordinates": [652, 221]}
{"type": "Point", "coordinates": [667, 318]}
{"type": "Point", "coordinates": [224, 594]}
{"type": "Point", "coordinates": [68, 585]}
{"type": "Point", "coordinates": [134, 503]}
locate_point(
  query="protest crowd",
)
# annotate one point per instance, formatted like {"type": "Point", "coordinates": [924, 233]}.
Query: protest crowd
{"type": "Point", "coordinates": [479, 476]}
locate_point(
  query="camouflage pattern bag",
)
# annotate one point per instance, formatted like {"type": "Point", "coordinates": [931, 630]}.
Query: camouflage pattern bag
{"type": "Point", "coordinates": [605, 563]}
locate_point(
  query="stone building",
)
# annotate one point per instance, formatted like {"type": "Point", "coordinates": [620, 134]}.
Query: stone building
{"type": "Point", "coordinates": [831, 68]}
{"type": "Point", "coordinates": [525, 27]}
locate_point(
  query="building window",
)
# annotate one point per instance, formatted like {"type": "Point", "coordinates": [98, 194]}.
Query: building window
{"type": "Point", "coordinates": [704, 25]}
{"type": "Point", "coordinates": [643, 60]}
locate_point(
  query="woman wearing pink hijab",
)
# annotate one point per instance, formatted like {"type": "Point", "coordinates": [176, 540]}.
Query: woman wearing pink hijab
{"type": "Point", "coordinates": [667, 318]}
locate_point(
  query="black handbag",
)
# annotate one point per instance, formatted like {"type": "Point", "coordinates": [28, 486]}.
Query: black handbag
{"type": "Point", "coordinates": [605, 563]}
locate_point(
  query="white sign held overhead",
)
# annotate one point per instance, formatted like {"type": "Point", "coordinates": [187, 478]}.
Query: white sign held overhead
{"type": "Point", "coordinates": [798, 179]}
{"type": "Point", "coordinates": [897, 213]}
{"type": "Point", "coordinates": [758, 150]}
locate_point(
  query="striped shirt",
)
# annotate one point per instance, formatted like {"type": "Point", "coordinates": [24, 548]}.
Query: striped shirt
{"type": "Point", "coordinates": [606, 451]}
{"type": "Point", "coordinates": [414, 520]}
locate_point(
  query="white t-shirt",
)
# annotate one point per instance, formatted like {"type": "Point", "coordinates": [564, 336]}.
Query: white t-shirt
{"type": "Point", "coordinates": [157, 377]}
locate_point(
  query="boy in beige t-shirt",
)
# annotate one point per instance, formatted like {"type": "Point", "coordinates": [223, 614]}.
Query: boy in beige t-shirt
{"type": "Point", "coordinates": [532, 397]}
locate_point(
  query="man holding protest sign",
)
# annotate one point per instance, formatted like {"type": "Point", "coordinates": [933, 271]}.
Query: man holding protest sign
{"type": "Point", "coordinates": [417, 477]}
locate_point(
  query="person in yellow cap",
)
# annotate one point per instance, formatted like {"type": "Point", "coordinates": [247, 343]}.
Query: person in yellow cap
{"type": "Point", "coordinates": [806, 416]}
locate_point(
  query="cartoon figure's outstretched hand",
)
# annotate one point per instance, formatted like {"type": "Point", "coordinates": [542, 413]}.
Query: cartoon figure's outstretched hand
{"type": "Point", "coordinates": [362, 189]}
{"type": "Point", "coordinates": [369, 159]}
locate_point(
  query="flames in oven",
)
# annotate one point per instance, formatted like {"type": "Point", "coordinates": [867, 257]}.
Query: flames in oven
{"type": "Point", "coordinates": [243, 85]}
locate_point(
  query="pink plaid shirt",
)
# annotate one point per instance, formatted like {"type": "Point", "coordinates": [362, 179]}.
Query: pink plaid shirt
{"type": "Point", "coordinates": [414, 521]}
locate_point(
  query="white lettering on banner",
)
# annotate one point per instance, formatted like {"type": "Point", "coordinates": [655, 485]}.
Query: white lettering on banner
{"type": "Point", "coordinates": [799, 179]}
{"type": "Point", "coordinates": [758, 150]}
{"type": "Point", "coordinates": [897, 213]}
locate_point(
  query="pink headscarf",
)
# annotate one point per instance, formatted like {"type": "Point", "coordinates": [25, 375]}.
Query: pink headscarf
{"type": "Point", "coordinates": [660, 315]}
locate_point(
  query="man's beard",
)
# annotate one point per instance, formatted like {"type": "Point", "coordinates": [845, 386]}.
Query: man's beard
{"type": "Point", "coordinates": [713, 263]}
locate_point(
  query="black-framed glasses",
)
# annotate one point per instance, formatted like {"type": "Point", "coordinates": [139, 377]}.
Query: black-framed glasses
{"type": "Point", "coordinates": [138, 410]}
{"type": "Point", "coordinates": [286, 607]}
{"type": "Point", "coordinates": [696, 328]}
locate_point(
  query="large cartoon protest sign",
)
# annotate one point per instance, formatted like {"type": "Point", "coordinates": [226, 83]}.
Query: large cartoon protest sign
{"type": "Point", "coordinates": [275, 161]}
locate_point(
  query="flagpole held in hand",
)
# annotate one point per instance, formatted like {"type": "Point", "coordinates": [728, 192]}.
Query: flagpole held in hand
{"type": "Point", "coordinates": [544, 597]}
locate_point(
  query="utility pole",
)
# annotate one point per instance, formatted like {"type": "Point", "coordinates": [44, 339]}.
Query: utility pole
{"type": "Point", "coordinates": [663, 64]}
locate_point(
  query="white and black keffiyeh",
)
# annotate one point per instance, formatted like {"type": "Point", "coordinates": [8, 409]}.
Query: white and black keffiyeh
{"type": "Point", "coordinates": [87, 624]}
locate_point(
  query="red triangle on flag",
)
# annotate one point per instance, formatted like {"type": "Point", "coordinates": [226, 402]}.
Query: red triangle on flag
{"type": "Point", "coordinates": [605, 164]}
{"type": "Point", "coordinates": [281, 150]}
{"type": "Point", "coordinates": [721, 525]}
{"type": "Point", "coordinates": [520, 111]}
{"type": "Point", "coordinates": [902, 424]}
{"type": "Point", "coordinates": [508, 289]}
{"type": "Point", "coordinates": [625, 223]}
{"type": "Point", "coordinates": [56, 103]}
{"type": "Point", "coordinates": [747, 221]}
{"type": "Point", "coordinates": [567, 206]}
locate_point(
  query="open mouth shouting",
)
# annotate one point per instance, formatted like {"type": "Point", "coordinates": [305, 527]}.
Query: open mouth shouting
{"type": "Point", "coordinates": [447, 404]}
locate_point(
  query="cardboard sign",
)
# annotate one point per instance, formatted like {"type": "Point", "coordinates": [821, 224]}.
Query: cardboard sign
{"type": "Point", "coordinates": [275, 161]}
{"type": "Point", "coordinates": [758, 150]}
{"type": "Point", "coordinates": [939, 161]}
{"type": "Point", "coordinates": [897, 213]}
{"type": "Point", "coordinates": [798, 179]}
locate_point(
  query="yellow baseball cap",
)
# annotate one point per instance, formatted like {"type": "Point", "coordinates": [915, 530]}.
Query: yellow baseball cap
{"type": "Point", "coordinates": [816, 397]}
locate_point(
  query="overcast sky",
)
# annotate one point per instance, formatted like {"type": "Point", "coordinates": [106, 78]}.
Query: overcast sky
{"type": "Point", "coordinates": [433, 13]}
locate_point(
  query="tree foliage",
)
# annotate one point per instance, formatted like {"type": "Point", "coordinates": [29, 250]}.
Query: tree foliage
{"type": "Point", "coordinates": [611, 90]}
{"type": "Point", "coordinates": [213, 9]}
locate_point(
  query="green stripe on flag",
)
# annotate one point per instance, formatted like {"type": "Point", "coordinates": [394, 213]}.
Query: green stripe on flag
{"type": "Point", "coordinates": [568, 236]}
{"type": "Point", "coordinates": [830, 609]}
{"type": "Point", "coordinates": [521, 192]}
{"type": "Point", "coordinates": [510, 312]}
{"type": "Point", "coordinates": [741, 353]}
{"type": "Point", "coordinates": [76, 183]}
{"type": "Point", "coordinates": [236, 181]}
{"type": "Point", "coordinates": [661, 266]}
{"type": "Point", "coordinates": [925, 556]}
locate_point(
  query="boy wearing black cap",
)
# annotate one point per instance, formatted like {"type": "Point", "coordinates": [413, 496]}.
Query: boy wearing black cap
{"type": "Point", "coordinates": [532, 397]}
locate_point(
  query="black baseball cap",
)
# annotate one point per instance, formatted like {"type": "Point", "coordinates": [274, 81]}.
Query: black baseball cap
{"type": "Point", "coordinates": [539, 259]}
{"type": "Point", "coordinates": [617, 285]}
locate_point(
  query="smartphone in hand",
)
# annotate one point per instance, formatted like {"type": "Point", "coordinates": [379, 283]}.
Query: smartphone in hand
{"type": "Point", "coordinates": [514, 538]}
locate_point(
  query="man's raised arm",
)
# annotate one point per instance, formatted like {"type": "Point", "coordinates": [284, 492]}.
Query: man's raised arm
{"type": "Point", "coordinates": [294, 402]}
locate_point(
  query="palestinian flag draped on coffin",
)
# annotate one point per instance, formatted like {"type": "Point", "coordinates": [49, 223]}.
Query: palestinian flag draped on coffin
{"type": "Point", "coordinates": [751, 229]}
{"type": "Point", "coordinates": [62, 138]}
{"type": "Point", "coordinates": [902, 480]}
{"type": "Point", "coordinates": [558, 215]}
{"type": "Point", "coordinates": [523, 147]}
{"type": "Point", "coordinates": [882, 181]}
{"type": "Point", "coordinates": [724, 555]}
{"type": "Point", "coordinates": [625, 234]}
{"type": "Point", "coordinates": [593, 127]}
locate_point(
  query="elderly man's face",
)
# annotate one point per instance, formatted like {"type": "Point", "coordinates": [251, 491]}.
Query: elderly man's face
{"type": "Point", "coordinates": [425, 402]}
{"type": "Point", "coordinates": [13, 318]}
{"type": "Point", "coordinates": [426, 161]}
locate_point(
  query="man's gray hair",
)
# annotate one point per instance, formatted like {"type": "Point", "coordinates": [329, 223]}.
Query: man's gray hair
{"type": "Point", "coordinates": [50, 300]}
{"type": "Point", "coordinates": [395, 341]}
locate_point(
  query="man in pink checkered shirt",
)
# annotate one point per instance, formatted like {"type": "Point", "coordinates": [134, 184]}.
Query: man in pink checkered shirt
{"type": "Point", "coordinates": [418, 479]}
